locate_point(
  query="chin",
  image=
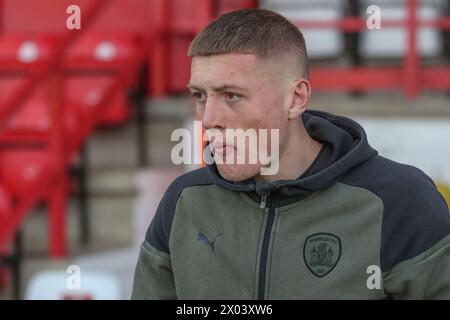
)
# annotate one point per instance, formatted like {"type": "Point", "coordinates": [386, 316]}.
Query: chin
{"type": "Point", "coordinates": [238, 172]}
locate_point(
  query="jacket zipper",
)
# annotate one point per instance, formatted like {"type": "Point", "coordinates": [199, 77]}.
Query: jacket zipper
{"type": "Point", "coordinates": [265, 246]}
{"type": "Point", "coordinates": [262, 205]}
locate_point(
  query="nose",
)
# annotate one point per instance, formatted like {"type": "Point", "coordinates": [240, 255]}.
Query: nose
{"type": "Point", "coordinates": [212, 116]}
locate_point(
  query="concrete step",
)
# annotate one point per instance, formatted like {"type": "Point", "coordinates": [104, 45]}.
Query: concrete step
{"type": "Point", "coordinates": [383, 104]}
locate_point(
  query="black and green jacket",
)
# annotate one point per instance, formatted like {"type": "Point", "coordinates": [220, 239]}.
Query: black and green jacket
{"type": "Point", "coordinates": [315, 237]}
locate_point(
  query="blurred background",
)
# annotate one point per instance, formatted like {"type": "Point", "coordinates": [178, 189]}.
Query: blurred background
{"type": "Point", "coordinates": [90, 94]}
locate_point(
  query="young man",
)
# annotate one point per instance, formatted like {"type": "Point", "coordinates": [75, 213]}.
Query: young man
{"type": "Point", "coordinates": [334, 221]}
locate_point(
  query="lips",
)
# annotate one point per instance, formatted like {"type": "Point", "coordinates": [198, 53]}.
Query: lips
{"type": "Point", "coordinates": [221, 148]}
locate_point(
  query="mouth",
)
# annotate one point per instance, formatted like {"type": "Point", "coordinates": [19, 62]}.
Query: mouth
{"type": "Point", "coordinates": [221, 148]}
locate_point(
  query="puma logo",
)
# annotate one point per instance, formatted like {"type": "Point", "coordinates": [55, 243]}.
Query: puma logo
{"type": "Point", "coordinates": [202, 238]}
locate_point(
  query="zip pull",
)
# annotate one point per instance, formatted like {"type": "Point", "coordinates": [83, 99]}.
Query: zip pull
{"type": "Point", "coordinates": [263, 202]}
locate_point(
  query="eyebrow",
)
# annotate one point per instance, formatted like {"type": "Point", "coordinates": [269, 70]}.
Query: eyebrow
{"type": "Point", "coordinates": [217, 89]}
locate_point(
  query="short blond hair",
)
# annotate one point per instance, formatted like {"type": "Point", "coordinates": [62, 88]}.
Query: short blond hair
{"type": "Point", "coordinates": [261, 32]}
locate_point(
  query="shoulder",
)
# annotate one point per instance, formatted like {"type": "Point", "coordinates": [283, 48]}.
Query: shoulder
{"type": "Point", "coordinates": [192, 178]}
{"type": "Point", "coordinates": [415, 215]}
{"type": "Point", "coordinates": [378, 172]}
{"type": "Point", "coordinates": [159, 230]}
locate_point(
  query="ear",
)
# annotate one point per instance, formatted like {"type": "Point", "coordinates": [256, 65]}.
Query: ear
{"type": "Point", "coordinates": [300, 99]}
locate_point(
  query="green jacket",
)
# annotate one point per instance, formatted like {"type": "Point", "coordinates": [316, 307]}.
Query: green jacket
{"type": "Point", "coordinates": [354, 226]}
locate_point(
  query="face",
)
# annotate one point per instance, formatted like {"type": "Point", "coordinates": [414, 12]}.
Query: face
{"type": "Point", "coordinates": [238, 91]}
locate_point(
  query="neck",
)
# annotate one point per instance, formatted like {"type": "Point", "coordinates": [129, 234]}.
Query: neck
{"type": "Point", "coordinates": [298, 154]}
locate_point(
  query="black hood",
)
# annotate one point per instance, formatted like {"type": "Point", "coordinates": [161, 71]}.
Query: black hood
{"type": "Point", "coordinates": [347, 147]}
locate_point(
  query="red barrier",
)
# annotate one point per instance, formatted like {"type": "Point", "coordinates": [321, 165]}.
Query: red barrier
{"type": "Point", "coordinates": [173, 66]}
{"type": "Point", "coordinates": [412, 77]}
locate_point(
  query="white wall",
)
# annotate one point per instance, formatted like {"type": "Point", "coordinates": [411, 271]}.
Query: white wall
{"type": "Point", "coordinates": [423, 143]}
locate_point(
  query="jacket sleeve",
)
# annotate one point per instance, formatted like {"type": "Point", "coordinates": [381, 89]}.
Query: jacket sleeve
{"type": "Point", "coordinates": [153, 277]}
{"type": "Point", "coordinates": [426, 276]}
{"type": "Point", "coordinates": [422, 267]}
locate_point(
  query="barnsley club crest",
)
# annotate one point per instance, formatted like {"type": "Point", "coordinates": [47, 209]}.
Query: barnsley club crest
{"type": "Point", "coordinates": [321, 253]}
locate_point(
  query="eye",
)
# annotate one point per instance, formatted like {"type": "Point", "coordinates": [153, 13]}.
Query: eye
{"type": "Point", "coordinates": [199, 96]}
{"type": "Point", "coordinates": [232, 97]}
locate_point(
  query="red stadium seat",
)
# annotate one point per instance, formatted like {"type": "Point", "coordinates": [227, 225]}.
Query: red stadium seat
{"type": "Point", "coordinates": [96, 61]}
{"type": "Point", "coordinates": [33, 121]}
{"type": "Point", "coordinates": [93, 50]}
{"type": "Point", "coordinates": [118, 110]}
{"type": "Point", "coordinates": [5, 203]}
{"type": "Point", "coordinates": [86, 74]}
{"type": "Point", "coordinates": [9, 86]}
{"type": "Point", "coordinates": [19, 52]}
{"type": "Point", "coordinates": [85, 95]}
{"type": "Point", "coordinates": [25, 171]}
